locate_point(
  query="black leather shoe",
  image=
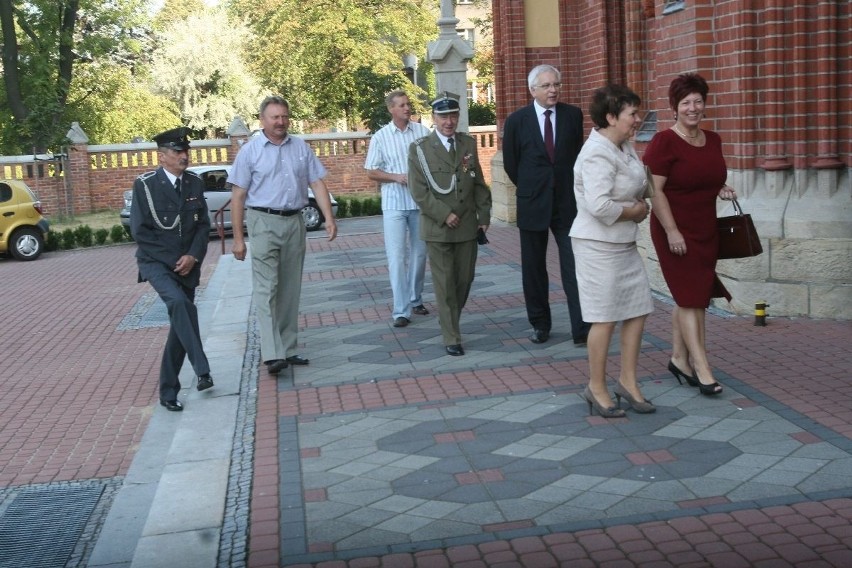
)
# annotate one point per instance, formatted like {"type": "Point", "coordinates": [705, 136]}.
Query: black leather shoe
{"type": "Point", "coordinates": [275, 366]}
{"type": "Point", "coordinates": [420, 310]}
{"type": "Point", "coordinates": [297, 360]}
{"type": "Point", "coordinates": [400, 322]}
{"type": "Point", "coordinates": [581, 340]}
{"type": "Point", "coordinates": [455, 350]}
{"type": "Point", "coordinates": [173, 405]}
{"type": "Point", "coordinates": [539, 335]}
{"type": "Point", "coordinates": [204, 382]}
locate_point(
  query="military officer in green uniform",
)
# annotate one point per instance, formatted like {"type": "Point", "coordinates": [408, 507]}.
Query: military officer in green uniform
{"type": "Point", "coordinates": [445, 179]}
{"type": "Point", "coordinates": [171, 227]}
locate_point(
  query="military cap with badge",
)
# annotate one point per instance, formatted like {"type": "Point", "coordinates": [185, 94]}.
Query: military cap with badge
{"type": "Point", "coordinates": [174, 139]}
{"type": "Point", "coordinates": [445, 104]}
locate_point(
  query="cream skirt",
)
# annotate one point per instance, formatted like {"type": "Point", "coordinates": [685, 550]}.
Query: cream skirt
{"type": "Point", "coordinates": [612, 281]}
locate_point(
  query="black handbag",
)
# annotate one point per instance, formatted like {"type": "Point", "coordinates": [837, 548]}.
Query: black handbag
{"type": "Point", "coordinates": [737, 235]}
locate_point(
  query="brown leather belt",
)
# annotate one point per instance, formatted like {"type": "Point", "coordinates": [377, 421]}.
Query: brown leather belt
{"type": "Point", "coordinates": [282, 212]}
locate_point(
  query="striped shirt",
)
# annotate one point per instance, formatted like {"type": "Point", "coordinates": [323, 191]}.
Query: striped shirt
{"type": "Point", "coordinates": [388, 152]}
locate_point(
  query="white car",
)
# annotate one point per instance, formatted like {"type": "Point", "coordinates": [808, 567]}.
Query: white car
{"type": "Point", "coordinates": [217, 194]}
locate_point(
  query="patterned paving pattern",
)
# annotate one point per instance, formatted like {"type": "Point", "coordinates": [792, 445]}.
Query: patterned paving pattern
{"type": "Point", "coordinates": [468, 469]}
{"type": "Point", "coordinates": [476, 466]}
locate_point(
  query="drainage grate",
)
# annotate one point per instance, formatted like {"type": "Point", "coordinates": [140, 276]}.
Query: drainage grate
{"type": "Point", "coordinates": [40, 527]}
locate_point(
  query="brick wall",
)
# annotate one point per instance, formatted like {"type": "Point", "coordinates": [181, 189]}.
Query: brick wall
{"type": "Point", "coordinates": [779, 70]}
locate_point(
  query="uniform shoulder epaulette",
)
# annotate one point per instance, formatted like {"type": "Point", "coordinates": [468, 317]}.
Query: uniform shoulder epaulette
{"type": "Point", "coordinates": [191, 174]}
{"type": "Point", "coordinates": [420, 141]}
{"type": "Point", "coordinates": [146, 175]}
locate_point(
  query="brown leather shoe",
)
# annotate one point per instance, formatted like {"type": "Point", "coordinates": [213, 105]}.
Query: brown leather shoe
{"type": "Point", "coordinates": [275, 366]}
{"type": "Point", "coordinates": [420, 310]}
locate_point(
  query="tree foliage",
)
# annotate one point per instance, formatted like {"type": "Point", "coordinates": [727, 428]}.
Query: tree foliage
{"type": "Point", "coordinates": [112, 105]}
{"type": "Point", "coordinates": [43, 42]}
{"type": "Point", "coordinates": [314, 53]}
{"type": "Point", "coordinates": [200, 64]}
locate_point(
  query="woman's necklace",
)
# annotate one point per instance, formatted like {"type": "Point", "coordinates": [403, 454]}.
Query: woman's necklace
{"type": "Point", "coordinates": [686, 135]}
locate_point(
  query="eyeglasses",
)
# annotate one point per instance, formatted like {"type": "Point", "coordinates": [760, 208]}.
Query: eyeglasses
{"type": "Point", "coordinates": [547, 86]}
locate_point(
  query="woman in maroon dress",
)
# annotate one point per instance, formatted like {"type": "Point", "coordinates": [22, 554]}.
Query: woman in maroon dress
{"type": "Point", "coordinates": [689, 174]}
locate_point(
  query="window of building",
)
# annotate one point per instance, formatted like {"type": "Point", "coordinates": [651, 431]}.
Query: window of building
{"type": "Point", "coordinates": [467, 34]}
{"type": "Point", "coordinates": [648, 128]}
{"type": "Point", "coordinates": [674, 6]}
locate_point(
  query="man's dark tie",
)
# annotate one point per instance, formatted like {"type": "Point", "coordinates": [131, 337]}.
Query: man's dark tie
{"type": "Point", "coordinates": [452, 149]}
{"type": "Point", "coordinates": [548, 135]}
{"type": "Point", "coordinates": [177, 185]}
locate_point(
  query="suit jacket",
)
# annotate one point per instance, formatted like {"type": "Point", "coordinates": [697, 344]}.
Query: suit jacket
{"type": "Point", "coordinates": [158, 248]}
{"type": "Point", "coordinates": [471, 199]}
{"type": "Point", "coordinates": [607, 180]}
{"type": "Point", "coordinates": [542, 185]}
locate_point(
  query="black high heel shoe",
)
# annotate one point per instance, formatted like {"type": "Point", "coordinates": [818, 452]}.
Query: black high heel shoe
{"type": "Point", "coordinates": [690, 380]}
{"type": "Point", "coordinates": [709, 390]}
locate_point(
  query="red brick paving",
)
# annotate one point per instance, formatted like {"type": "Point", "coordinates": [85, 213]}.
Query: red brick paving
{"type": "Point", "coordinates": [75, 393]}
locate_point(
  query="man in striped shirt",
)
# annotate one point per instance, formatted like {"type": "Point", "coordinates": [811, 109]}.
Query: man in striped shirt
{"type": "Point", "coordinates": [387, 163]}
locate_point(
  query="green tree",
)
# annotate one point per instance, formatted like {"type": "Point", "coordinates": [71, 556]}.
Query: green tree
{"type": "Point", "coordinates": [202, 67]}
{"type": "Point", "coordinates": [43, 42]}
{"type": "Point", "coordinates": [312, 52]}
{"type": "Point", "coordinates": [174, 11]}
{"type": "Point", "coordinates": [112, 106]}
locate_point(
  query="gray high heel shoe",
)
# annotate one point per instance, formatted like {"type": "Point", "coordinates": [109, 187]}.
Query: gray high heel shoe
{"type": "Point", "coordinates": [642, 407]}
{"type": "Point", "coordinates": [613, 412]}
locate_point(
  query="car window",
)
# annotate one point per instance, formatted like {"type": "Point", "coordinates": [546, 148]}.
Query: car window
{"type": "Point", "coordinates": [5, 192]}
{"type": "Point", "coordinates": [215, 180]}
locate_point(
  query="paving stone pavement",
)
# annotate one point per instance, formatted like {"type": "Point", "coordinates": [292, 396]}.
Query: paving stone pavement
{"type": "Point", "coordinates": [385, 452]}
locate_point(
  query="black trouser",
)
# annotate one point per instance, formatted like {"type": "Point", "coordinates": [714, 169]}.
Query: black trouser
{"type": "Point", "coordinates": [537, 283]}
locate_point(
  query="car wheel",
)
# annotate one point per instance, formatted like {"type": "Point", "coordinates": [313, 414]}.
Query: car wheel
{"type": "Point", "coordinates": [313, 217]}
{"type": "Point", "coordinates": [26, 244]}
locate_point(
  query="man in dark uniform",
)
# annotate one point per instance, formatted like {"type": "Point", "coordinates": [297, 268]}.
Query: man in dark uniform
{"type": "Point", "coordinates": [171, 226]}
{"type": "Point", "coordinates": [446, 181]}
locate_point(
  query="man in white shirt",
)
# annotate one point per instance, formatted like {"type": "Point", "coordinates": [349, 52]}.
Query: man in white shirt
{"type": "Point", "coordinates": [387, 163]}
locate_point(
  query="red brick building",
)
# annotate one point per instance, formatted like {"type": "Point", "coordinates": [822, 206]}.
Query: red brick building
{"type": "Point", "coordinates": [779, 74]}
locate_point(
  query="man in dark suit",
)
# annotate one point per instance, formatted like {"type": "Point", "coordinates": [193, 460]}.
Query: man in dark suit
{"type": "Point", "coordinates": [446, 181]}
{"type": "Point", "coordinates": [540, 144]}
{"type": "Point", "coordinates": [171, 226]}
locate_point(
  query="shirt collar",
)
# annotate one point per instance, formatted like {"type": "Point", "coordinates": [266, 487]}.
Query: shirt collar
{"type": "Point", "coordinates": [539, 110]}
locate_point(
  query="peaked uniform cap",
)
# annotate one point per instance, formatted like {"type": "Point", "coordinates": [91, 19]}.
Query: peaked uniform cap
{"type": "Point", "coordinates": [176, 139]}
{"type": "Point", "coordinates": [446, 103]}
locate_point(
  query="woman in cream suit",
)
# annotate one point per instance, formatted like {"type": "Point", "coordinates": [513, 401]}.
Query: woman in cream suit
{"type": "Point", "coordinates": [609, 184]}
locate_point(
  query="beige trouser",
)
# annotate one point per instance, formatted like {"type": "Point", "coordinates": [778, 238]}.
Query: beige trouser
{"type": "Point", "coordinates": [277, 259]}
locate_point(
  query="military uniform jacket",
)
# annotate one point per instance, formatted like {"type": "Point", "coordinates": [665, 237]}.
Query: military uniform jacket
{"type": "Point", "coordinates": [470, 199]}
{"type": "Point", "coordinates": [183, 228]}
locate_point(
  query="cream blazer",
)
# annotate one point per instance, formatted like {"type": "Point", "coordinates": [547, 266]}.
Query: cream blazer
{"type": "Point", "coordinates": [606, 180]}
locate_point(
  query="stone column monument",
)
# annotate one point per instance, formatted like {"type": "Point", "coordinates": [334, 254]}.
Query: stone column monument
{"type": "Point", "coordinates": [450, 54]}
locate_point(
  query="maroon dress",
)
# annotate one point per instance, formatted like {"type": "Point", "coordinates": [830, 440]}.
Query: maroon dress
{"type": "Point", "coordinates": [694, 177]}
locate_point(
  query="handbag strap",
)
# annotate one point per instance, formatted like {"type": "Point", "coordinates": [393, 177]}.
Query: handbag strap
{"type": "Point", "coordinates": [737, 209]}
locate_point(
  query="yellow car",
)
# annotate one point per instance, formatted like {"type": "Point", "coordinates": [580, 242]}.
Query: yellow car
{"type": "Point", "coordinates": [23, 230]}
